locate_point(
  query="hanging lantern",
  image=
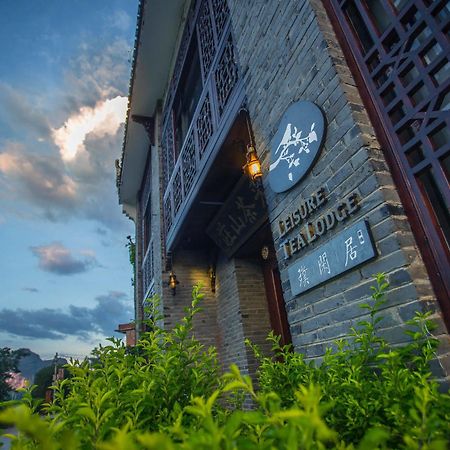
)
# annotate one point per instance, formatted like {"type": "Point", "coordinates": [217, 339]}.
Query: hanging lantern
{"type": "Point", "coordinates": [253, 165]}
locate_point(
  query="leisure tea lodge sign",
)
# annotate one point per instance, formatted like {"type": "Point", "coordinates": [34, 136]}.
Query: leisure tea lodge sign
{"type": "Point", "coordinates": [294, 150]}
{"type": "Point", "coordinates": [296, 145]}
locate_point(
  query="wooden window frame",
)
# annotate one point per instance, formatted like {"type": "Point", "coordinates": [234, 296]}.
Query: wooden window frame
{"type": "Point", "coordinates": [434, 254]}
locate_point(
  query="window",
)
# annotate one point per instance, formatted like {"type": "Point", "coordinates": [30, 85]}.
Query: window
{"type": "Point", "coordinates": [187, 95]}
{"type": "Point", "coordinates": [401, 52]}
{"type": "Point", "coordinates": [146, 227]}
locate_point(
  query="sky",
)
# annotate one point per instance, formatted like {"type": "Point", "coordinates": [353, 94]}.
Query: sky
{"type": "Point", "coordinates": [65, 276]}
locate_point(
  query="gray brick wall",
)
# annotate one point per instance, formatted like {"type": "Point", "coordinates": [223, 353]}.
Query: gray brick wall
{"type": "Point", "coordinates": [287, 51]}
{"type": "Point", "coordinates": [157, 220]}
{"type": "Point", "coordinates": [242, 312]}
{"type": "Point", "coordinates": [230, 328]}
{"type": "Point", "coordinates": [138, 294]}
{"type": "Point", "coordinates": [191, 268]}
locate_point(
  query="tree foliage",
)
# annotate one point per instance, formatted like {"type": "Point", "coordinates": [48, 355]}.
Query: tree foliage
{"type": "Point", "coordinates": [8, 363]}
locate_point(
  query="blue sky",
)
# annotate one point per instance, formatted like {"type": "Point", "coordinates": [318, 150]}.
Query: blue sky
{"type": "Point", "coordinates": [64, 269]}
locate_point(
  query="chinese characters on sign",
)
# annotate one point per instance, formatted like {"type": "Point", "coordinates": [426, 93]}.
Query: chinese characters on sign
{"type": "Point", "coordinates": [346, 250]}
{"type": "Point", "coordinates": [241, 215]}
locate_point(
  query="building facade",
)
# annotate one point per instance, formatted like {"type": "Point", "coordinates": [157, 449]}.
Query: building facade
{"type": "Point", "coordinates": [346, 104]}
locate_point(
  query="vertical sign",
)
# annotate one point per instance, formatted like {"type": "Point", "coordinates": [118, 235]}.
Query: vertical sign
{"type": "Point", "coordinates": [241, 215]}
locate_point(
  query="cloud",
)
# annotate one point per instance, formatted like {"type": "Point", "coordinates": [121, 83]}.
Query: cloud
{"type": "Point", "coordinates": [120, 20]}
{"type": "Point", "coordinates": [35, 184]}
{"type": "Point", "coordinates": [57, 259]}
{"type": "Point", "coordinates": [102, 120]}
{"type": "Point", "coordinates": [101, 231]}
{"type": "Point", "coordinates": [65, 168]}
{"type": "Point", "coordinates": [20, 113]}
{"type": "Point", "coordinates": [98, 72]}
{"type": "Point", "coordinates": [40, 179]}
{"type": "Point", "coordinates": [48, 323]}
{"type": "Point", "coordinates": [30, 289]}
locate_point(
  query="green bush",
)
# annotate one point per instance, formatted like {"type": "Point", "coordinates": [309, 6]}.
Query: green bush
{"type": "Point", "coordinates": [367, 383]}
{"type": "Point", "coordinates": [166, 394]}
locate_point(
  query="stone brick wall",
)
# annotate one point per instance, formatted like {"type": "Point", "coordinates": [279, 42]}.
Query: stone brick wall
{"type": "Point", "coordinates": [191, 268]}
{"type": "Point", "coordinates": [230, 328]}
{"type": "Point", "coordinates": [287, 51]}
{"type": "Point", "coordinates": [157, 219]}
{"type": "Point", "coordinates": [253, 307]}
{"type": "Point", "coordinates": [138, 283]}
{"type": "Point", "coordinates": [242, 312]}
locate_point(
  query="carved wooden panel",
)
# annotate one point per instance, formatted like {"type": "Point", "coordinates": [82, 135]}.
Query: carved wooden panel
{"type": "Point", "coordinates": [189, 164]}
{"type": "Point", "coordinates": [177, 191]}
{"type": "Point", "coordinates": [221, 15]}
{"type": "Point", "coordinates": [167, 213]}
{"type": "Point", "coordinates": [206, 37]}
{"type": "Point", "coordinates": [204, 125]}
{"type": "Point", "coordinates": [208, 22]}
{"type": "Point", "coordinates": [226, 74]}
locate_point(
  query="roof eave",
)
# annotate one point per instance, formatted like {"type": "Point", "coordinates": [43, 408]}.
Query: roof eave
{"type": "Point", "coordinates": [157, 31]}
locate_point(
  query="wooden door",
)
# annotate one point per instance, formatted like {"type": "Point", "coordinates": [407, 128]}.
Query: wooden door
{"type": "Point", "coordinates": [275, 300]}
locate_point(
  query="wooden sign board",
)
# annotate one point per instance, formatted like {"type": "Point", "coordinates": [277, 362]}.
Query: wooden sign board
{"type": "Point", "coordinates": [242, 214]}
{"type": "Point", "coordinates": [296, 145]}
{"type": "Point", "coordinates": [345, 251]}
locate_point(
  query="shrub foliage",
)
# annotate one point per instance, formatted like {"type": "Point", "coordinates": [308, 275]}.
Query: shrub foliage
{"type": "Point", "coordinates": [167, 394]}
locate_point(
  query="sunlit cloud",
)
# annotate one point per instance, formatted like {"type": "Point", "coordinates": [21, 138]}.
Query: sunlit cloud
{"type": "Point", "coordinates": [57, 259]}
{"type": "Point", "coordinates": [36, 177]}
{"type": "Point", "coordinates": [102, 120]}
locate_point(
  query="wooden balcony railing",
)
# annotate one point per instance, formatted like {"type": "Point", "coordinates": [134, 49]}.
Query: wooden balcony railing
{"type": "Point", "coordinates": [221, 97]}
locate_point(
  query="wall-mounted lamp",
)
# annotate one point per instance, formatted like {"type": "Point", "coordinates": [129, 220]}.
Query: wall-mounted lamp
{"type": "Point", "coordinates": [252, 166]}
{"type": "Point", "coordinates": [172, 283]}
{"type": "Point", "coordinates": [212, 278]}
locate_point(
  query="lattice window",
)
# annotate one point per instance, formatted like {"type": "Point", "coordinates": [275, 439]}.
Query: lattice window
{"type": "Point", "coordinates": [145, 196]}
{"type": "Point", "coordinates": [165, 170]}
{"type": "Point", "coordinates": [145, 277]}
{"type": "Point", "coordinates": [184, 45]}
{"type": "Point", "coordinates": [221, 14]}
{"type": "Point", "coordinates": [148, 268]}
{"type": "Point", "coordinates": [402, 52]}
{"type": "Point", "coordinates": [189, 164]}
{"type": "Point", "coordinates": [226, 74]}
{"type": "Point", "coordinates": [206, 37]}
{"type": "Point", "coordinates": [177, 192]}
{"type": "Point", "coordinates": [407, 62]}
{"type": "Point", "coordinates": [167, 214]}
{"type": "Point", "coordinates": [168, 154]}
{"type": "Point", "coordinates": [204, 125]}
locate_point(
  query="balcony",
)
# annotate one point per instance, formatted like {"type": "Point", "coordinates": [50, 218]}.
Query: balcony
{"type": "Point", "coordinates": [220, 100]}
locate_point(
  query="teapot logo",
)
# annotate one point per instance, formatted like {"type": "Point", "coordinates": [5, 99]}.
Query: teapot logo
{"type": "Point", "coordinates": [296, 145]}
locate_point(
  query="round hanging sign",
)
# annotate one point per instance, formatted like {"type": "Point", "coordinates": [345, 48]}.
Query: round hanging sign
{"type": "Point", "coordinates": [296, 145]}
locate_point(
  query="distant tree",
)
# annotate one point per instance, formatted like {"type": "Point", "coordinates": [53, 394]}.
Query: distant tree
{"type": "Point", "coordinates": [43, 380]}
{"type": "Point", "coordinates": [8, 363]}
